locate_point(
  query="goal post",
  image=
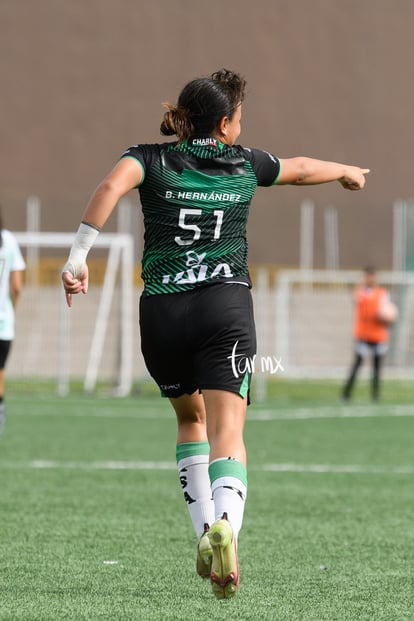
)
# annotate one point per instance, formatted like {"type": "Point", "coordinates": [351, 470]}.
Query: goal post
{"type": "Point", "coordinates": [81, 332]}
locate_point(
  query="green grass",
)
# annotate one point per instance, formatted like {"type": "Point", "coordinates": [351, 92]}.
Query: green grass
{"type": "Point", "coordinates": [328, 533]}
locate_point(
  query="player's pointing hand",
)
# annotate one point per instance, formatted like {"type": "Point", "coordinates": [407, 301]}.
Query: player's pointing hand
{"type": "Point", "coordinates": [354, 178]}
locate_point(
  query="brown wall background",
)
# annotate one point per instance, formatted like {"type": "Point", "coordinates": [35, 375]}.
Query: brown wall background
{"type": "Point", "coordinates": [82, 80]}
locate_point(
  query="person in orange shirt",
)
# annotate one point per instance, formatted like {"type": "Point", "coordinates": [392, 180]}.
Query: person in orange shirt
{"type": "Point", "coordinates": [373, 315]}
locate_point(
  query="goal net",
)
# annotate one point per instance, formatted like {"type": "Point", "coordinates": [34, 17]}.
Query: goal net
{"type": "Point", "coordinates": [305, 318]}
{"type": "Point", "coordinates": [96, 338]}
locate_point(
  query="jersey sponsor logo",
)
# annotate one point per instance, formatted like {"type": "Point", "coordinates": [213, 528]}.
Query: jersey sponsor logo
{"type": "Point", "coordinates": [194, 259]}
{"type": "Point", "coordinates": [222, 197]}
{"type": "Point", "coordinates": [197, 271]}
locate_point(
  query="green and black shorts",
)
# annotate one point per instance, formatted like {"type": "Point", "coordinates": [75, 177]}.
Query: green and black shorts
{"type": "Point", "coordinates": [203, 338]}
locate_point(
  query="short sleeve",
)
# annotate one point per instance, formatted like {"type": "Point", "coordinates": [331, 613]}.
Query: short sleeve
{"type": "Point", "coordinates": [145, 154]}
{"type": "Point", "coordinates": [265, 166]}
{"type": "Point", "coordinates": [16, 260]}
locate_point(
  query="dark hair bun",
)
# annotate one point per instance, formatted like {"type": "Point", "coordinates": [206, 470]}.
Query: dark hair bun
{"type": "Point", "coordinates": [175, 121]}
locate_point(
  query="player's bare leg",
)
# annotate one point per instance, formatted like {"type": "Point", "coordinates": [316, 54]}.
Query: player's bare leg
{"type": "Point", "coordinates": [191, 418]}
{"type": "Point", "coordinates": [226, 415]}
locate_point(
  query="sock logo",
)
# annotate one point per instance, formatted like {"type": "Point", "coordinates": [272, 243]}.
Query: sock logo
{"type": "Point", "coordinates": [240, 493]}
{"type": "Point", "coordinates": [184, 483]}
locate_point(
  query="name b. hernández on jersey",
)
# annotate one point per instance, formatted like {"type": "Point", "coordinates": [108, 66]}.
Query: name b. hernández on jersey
{"type": "Point", "coordinates": [195, 198]}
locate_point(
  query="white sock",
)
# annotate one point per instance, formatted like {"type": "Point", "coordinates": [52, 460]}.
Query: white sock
{"type": "Point", "coordinates": [229, 487]}
{"type": "Point", "coordinates": [195, 481]}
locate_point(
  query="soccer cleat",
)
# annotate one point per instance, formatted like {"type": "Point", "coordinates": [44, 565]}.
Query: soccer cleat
{"type": "Point", "coordinates": [225, 567]}
{"type": "Point", "coordinates": [204, 554]}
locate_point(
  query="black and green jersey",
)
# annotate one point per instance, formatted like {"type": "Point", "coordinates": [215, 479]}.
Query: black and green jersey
{"type": "Point", "coordinates": [195, 199]}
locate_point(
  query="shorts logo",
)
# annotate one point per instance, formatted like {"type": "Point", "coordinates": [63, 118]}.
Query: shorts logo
{"type": "Point", "coordinates": [170, 386]}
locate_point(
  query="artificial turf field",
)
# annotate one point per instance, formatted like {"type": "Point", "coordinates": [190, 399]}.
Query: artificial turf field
{"type": "Point", "coordinates": [93, 524]}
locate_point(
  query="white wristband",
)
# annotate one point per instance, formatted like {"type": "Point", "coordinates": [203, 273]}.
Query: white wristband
{"type": "Point", "coordinates": [84, 240]}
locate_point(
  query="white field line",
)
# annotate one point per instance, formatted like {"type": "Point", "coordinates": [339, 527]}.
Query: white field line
{"type": "Point", "coordinates": [255, 414]}
{"type": "Point", "coordinates": [165, 465]}
{"type": "Point", "coordinates": [329, 412]}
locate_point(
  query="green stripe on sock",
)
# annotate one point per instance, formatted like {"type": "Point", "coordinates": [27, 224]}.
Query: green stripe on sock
{"type": "Point", "coordinates": [228, 468]}
{"type": "Point", "coordinates": [189, 449]}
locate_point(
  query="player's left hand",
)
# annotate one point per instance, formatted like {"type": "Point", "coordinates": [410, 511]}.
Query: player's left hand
{"type": "Point", "coordinates": [354, 179]}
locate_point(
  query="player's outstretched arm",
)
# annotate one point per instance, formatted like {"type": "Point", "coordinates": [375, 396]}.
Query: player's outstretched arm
{"type": "Point", "coordinates": [309, 171]}
{"type": "Point", "coordinates": [125, 176]}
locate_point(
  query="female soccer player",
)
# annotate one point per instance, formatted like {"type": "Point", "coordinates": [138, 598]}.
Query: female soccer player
{"type": "Point", "coordinates": [11, 269]}
{"type": "Point", "coordinates": [196, 315]}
